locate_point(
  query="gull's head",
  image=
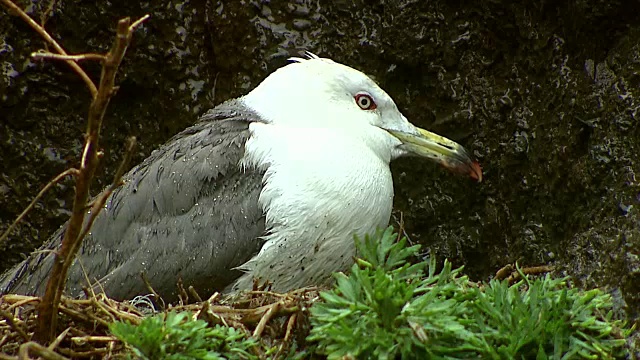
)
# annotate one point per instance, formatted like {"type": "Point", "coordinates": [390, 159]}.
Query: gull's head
{"type": "Point", "coordinates": [315, 92]}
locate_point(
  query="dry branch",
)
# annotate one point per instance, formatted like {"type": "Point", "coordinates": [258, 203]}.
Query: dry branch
{"type": "Point", "coordinates": [11, 321]}
{"type": "Point", "coordinates": [48, 314]}
{"type": "Point", "coordinates": [42, 55]}
{"type": "Point", "coordinates": [87, 320]}
{"type": "Point", "coordinates": [35, 348]}
{"type": "Point", "coordinates": [74, 233]}
{"type": "Point", "coordinates": [54, 344]}
{"type": "Point", "coordinates": [512, 273]}
{"type": "Point", "coordinates": [40, 30]}
{"type": "Point", "coordinates": [24, 212]}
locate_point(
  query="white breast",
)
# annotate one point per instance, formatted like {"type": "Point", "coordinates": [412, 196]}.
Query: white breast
{"type": "Point", "coordinates": [320, 188]}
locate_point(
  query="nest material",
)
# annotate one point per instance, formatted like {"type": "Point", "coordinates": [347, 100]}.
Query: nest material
{"type": "Point", "coordinates": [273, 318]}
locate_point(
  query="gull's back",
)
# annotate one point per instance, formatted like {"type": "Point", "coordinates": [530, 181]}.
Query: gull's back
{"type": "Point", "coordinates": [188, 212]}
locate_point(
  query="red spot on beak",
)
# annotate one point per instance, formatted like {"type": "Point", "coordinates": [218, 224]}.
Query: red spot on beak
{"type": "Point", "coordinates": [468, 168]}
{"type": "Point", "coordinates": [476, 171]}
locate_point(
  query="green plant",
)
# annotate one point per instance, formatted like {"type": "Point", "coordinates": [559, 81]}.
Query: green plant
{"type": "Point", "coordinates": [387, 308]}
{"type": "Point", "coordinates": [545, 318]}
{"type": "Point", "coordinates": [177, 336]}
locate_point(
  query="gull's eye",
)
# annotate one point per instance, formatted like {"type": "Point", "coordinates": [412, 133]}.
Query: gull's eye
{"type": "Point", "coordinates": [365, 101]}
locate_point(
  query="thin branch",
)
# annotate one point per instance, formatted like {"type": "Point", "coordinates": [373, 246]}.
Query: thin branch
{"type": "Point", "coordinates": [11, 321]}
{"type": "Point", "coordinates": [159, 300]}
{"type": "Point", "coordinates": [50, 304]}
{"type": "Point", "coordinates": [40, 55]}
{"type": "Point", "coordinates": [137, 23]}
{"type": "Point", "coordinates": [48, 308]}
{"type": "Point", "coordinates": [46, 15]}
{"type": "Point", "coordinates": [18, 300]}
{"type": "Point", "coordinates": [272, 310]}
{"type": "Point", "coordinates": [50, 184]}
{"type": "Point", "coordinates": [194, 293]}
{"type": "Point", "coordinates": [98, 203]}
{"type": "Point", "coordinates": [93, 338]}
{"type": "Point", "coordinates": [287, 335]}
{"type": "Point", "coordinates": [511, 273]}
{"type": "Point", "coordinates": [58, 339]}
{"type": "Point", "coordinates": [290, 324]}
{"type": "Point", "coordinates": [40, 30]}
{"type": "Point", "coordinates": [504, 272]}
{"type": "Point", "coordinates": [78, 315]}
{"type": "Point", "coordinates": [33, 347]}
{"type": "Point", "coordinates": [532, 270]}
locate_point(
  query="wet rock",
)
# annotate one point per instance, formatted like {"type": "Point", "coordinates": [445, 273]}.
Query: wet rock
{"type": "Point", "coordinates": [545, 94]}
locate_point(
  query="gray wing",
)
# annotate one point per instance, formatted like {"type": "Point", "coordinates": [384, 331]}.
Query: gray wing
{"type": "Point", "coordinates": [187, 212]}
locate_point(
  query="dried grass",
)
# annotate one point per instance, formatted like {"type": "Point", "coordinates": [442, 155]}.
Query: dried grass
{"type": "Point", "coordinates": [276, 319]}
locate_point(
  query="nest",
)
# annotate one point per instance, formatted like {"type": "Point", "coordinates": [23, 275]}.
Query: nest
{"type": "Point", "coordinates": [273, 318]}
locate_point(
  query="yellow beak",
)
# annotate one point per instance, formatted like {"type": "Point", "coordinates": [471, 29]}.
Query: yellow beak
{"type": "Point", "coordinates": [446, 152]}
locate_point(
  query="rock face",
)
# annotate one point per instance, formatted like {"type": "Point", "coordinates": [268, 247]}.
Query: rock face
{"type": "Point", "coordinates": [546, 95]}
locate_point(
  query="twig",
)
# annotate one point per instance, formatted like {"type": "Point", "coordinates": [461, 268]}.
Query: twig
{"type": "Point", "coordinates": [33, 347]}
{"type": "Point", "coordinates": [210, 316]}
{"type": "Point", "coordinates": [84, 354]}
{"type": "Point", "coordinates": [287, 336]}
{"type": "Point", "coordinates": [3, 340]}
{"type": "Point", "coordinates": [147, 283]}
{"type": "Point", "coordinates": [511, 273]}
{"type": "Point", "coordinates": [194, 293]}
{"type": "Point", "coordinates": [40, 30]}
{"type": "Point", "coordinates": [98, 203]}
{"type": "Point", "coordinates": [270, 293]}
{"type": "Point", "coordinates": [97, 304]}
{"type": "Point", "coordinates": [533, 270]}
{"type": "Point", "coordinates": [24, 212]}
{"type": "Point", "coordinates": [137, 23]}
{"type": "Point", "coordinates": [47, 13]}
{"type": "Point", "coordinates": [58, 339]}
{"type": "Point", "coordinates": [18, 300]}
{"type": "Point", "coordinates": [83, 317]}
{"type": "Point", "coordinates": [88, 291]}
{"type": "Point", "coordinates": [293, 293]}
{"type": "Point", "coordinates": [42, 55]}
{"type": "Point", "coordinates": [273, 308]}
{"type": "Point", "coordinates": [504, 272]}
{"type": "Point", "coordinates": [113, 313]}
{"type": "Point", "coordinates": [79, 340]}
{"type": "Point", "coordinates": [47, 311]}
{"type": "Point", "coordinates": [213, 297]}
{"type": "Point", "coordinates": [290, 324]}
{"type": "Point", "coordinates": [13, 324]}
{"type": "Point", "coordinates": [182, 293]}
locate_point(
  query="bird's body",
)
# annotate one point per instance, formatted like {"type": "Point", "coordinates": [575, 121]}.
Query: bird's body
{"type": "Point", "coordinates": [184, 209]}
{"type": "Point", "coordinates": [272, 185]}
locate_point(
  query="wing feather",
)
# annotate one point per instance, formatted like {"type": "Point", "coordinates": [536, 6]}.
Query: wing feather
{"type": "Point", "coordinates": [188, 211]}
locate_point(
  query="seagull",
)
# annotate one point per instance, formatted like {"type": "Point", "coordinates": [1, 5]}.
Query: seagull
{"type": "Point", "coordinates": [273, 185]}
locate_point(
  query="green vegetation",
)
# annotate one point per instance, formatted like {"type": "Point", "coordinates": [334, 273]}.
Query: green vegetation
{"type": "Point", "coordinates": [176, 336]}
{"type": "Point", "coordinates": [387, 308]}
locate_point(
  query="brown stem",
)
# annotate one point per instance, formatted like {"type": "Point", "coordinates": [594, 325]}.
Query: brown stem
{"type": "Point", "coordinates": [35, 348]}
{"type": "Point", "coordinates": [11, 321]}
{"type": "Point", "coordinates": [98, 203]}
{"type": "Point", "coordinates": [40, 30]}
{"type": "Point", "coordinates": [51, 56]}
{"type": "Point", "coordinates": [54, 181]}
{"type": "Point", "coordinates": [48, 308]}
